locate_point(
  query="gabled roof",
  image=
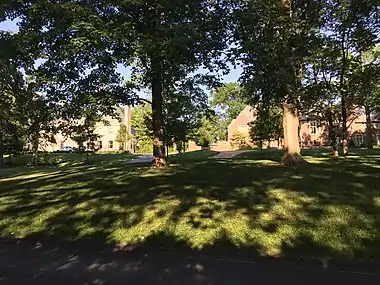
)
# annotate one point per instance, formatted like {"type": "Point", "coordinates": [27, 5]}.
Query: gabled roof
{"type": "Point", "coordinates": [246, 115]}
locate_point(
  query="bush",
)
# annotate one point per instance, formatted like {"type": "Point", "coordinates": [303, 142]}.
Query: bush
{"type": "Point", "coordinates": [239, 141]}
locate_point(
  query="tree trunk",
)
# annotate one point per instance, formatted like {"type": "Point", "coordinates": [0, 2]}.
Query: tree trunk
{"type": "Point", "coordinates": [368, 130]}
{"type": "Point", "coordinates": [159, 155]}
{"type": "Point", "coordinates": [344, 126]}
{"type": "Point", "coordinates": [332, 134]}
{"type": "Point", "coordinates": [292, 155]}
{"type": "Point", "coordinates": [343, 95]}
{"type": "Point", "coordinates": [35, 151]}
{"type": "Point", "coordinates": [35, 157]}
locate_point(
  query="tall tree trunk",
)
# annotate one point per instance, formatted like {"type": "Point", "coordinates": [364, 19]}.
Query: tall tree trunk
{"type": "Point", "coordinates": [292, 155]}
{"type": "Point", "coordinates": [344, 126]}
{"type": "Point", "coordinates": [35, 156]}
{"type": "Point", "coordinates": [35, 143]}
{"type": "Point", "coordinates": [332, 134]}
{"type": "Point", "coordinates": [368, 130]}
{"type": "Point", "coordinates": [343, 95]}
{"type": "Point", "coordinates": [1, 145]}
{"type": "Point", "coordinates": [159, 155]}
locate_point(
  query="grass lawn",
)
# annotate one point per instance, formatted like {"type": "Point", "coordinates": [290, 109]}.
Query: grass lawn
{"type": "Point", "coordinates": [64, 159]}
{"type": "Point", "coordinates": [248, 205]}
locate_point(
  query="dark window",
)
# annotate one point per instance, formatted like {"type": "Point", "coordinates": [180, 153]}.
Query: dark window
{"type": "Point", "coordinates": [110, 144]}
{"type": "Point", "coordinates": [100, 144]}
{"type": "Point", "coordinates": [314, 128]}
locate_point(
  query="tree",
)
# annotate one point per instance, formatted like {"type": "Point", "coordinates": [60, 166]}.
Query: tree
{"type": "Point", "coordinates": [267, 125]}
{"type": "Point", "coordinates": [83, 41]}
{"type": "Point", "coordinates": [12, 98]}
{"type": "Point", "coordinates": [365, 82]}
{"type": "Point", "coordinates": [185, 104]}
{"type": "Point", "coordinates": [228, 101]}
{"type": "Point", "coordinates": [274, 38]}
{"type": "Point", "coordinates": [350, 27]}
{"type": "Point", "coordinates": [83, 130]}
{"type": "Point", "coordinates": [239, 140]}
{"type": "Point", "coordinates": [141, 121]}
{"type": "Point", "coordinates": [40, 122]}
{"type": "Point", "coordinates": [205, 135]}
{"type": "Point", "coordinates": [123, 136]}
{"type": "Point", "coordinates": [321, 90]}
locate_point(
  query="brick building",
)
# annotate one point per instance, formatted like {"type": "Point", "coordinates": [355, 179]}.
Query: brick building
{"type": "Point", "coordinates": [313, 133]}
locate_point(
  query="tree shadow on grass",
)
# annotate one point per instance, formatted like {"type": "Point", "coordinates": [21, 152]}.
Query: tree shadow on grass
{"type": "Point", "coordinates": [235, 207]}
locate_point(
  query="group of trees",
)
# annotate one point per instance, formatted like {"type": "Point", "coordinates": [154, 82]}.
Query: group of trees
{"type": "Point", "coordinates": [298, 55]}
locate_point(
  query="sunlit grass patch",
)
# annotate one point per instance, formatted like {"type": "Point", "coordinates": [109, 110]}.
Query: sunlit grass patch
{"type": "Point", "coordinates": [327, 209]}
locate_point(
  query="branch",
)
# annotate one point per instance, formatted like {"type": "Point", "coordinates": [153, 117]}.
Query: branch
{"type": "Point", "coordinates": [139, 100]}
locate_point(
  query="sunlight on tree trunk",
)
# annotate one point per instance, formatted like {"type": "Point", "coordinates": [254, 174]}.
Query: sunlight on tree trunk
{"type": "Point", "coordinates": [292, 155]}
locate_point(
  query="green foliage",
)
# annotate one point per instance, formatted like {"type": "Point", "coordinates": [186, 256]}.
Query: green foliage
{"type": "Point", "coordinates": [141, 121]}
{"type": "Point", "coordinates": [228, 101]}
{"type": "Point", "coordinates": [184, 107]}
{"type": "Point", "coordinates": [162, 41]}
{"type": "Point", "coordinates": [274, 38]}
{"type": "Point", "coordinates": [267, 126]}
{"type": "Point", "coordinates": [85, 131]}
{"type": "Point", "coordinates": [239, 140]}
{"type": "Point", "coordinates": [123, 136]}
{"type": "Point", "coordinates": [205, 135]}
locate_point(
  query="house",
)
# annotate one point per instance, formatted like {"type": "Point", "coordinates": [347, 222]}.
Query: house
{"type": "Point", "coordinates": [313, 132]}
{"type": "Point", "coordinates": [241, 123]}
{"type": "Point", "coordinates": [107, 131]}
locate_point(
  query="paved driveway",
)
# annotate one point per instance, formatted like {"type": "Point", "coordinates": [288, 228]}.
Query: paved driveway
{"type": "Point", "coordinates": [228, 154]}
{"type": "Point", "coordinates": [146, 158]}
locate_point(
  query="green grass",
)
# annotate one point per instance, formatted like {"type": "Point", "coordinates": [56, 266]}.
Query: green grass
{"type": "Point", "coordinates": [62, 159]}
{"type": "Point", "coordinates": [248, 205]}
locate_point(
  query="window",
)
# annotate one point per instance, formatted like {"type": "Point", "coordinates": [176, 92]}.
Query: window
{"type": "Point", "coordinates": [358, 139]}
{"type": "Point", "coordinates": [100, 143]}
{"type": "Point", "coordinates": [110, 130]}
{"type": "Point", "coordinates": [313, 128]}
{"type": "Point", "coordinates": [110, 144]}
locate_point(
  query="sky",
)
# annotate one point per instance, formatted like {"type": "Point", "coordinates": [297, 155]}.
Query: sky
{"type": "Point", "coordinates": [232, 76]}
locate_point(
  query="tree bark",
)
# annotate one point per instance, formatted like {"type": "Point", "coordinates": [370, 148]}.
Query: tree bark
{"type": "Point", "coordinates": [343, 95]}
{"type": "Point", "coordinates": [35, 156]}
{"type": "Point", "coordinates": [159, 154]}
{"type": "Point", "coordinates": [292, 155]}
{"type": "Point", "coordinates": [332, 134]}
{"type": "Point", "coordinates": [368, 130]}
{"type": "Point", "coordinates": [344, 126]}
{"type": "Point", "coordinates": [35, 150]}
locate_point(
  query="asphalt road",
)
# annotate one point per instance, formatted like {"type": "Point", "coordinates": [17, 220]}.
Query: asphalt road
{"type": "Point", "coordinates": [25, 263]}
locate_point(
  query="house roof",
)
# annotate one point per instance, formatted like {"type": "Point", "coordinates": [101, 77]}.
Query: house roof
{"type": "Point", "coordinates": [246, 114]}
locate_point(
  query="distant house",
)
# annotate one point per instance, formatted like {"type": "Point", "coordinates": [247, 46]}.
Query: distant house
{"type": "Point", "coordinates": [241, 122]}
{"type": "Point", "coordinates": [107, 133]}
{"type": "Point", "coordinates": [313, 132]}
